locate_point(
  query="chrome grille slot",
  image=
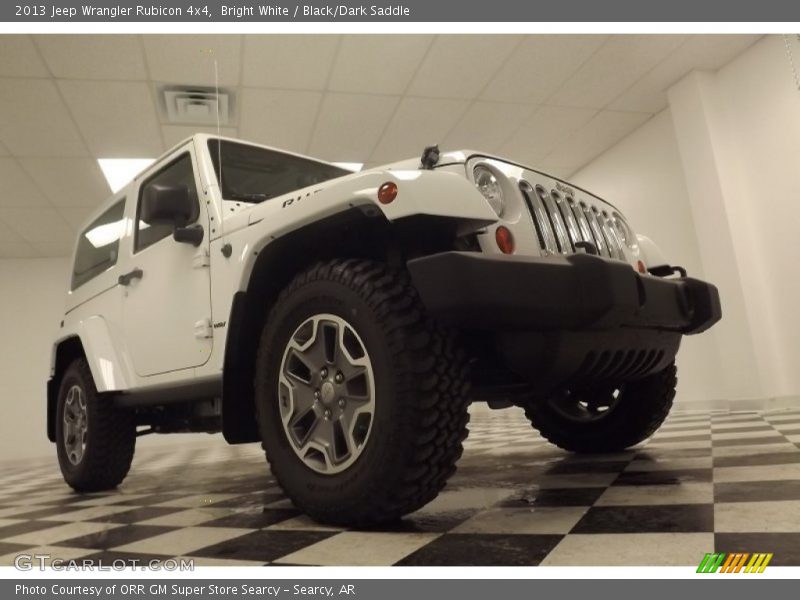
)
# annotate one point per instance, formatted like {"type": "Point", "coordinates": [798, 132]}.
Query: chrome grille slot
{"type": "Point", "coordinates": [556, 220]}
{"type": "Point", "coordinates": [541, 221]}
{"type": "Point", "coordinates": [614, 243]}
{"type": "Point", "coordinates": [569, 218]}
{"type": "Point", "coordinates": [583, 224]}
{"type": "Point", "coordinates": [597, 234]}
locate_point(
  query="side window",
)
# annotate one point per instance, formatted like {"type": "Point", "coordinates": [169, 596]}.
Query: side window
{"type": "Point", "coordinates": [178, 172]}
{"type": "Point", "coordinates": [98, 245]}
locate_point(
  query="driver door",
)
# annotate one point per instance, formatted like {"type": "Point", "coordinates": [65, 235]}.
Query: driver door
{"type": "Point", "coordinates": [167, 285]}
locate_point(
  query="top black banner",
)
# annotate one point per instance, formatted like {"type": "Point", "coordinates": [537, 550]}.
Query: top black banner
{"type": "Point", "coordinates": [209, 11]}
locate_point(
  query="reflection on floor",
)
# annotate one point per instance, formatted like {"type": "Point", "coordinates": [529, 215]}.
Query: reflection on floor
{"type": "Point", "coordinates": [712, 481]}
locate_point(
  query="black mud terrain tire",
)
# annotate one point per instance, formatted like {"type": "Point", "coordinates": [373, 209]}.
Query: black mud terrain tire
{"type": "Point", "coordinates": [420, 400]}
{"type": "Point", "coordinates": [100, 458]}
{"type": "Point", "coordinates": [636, 414]}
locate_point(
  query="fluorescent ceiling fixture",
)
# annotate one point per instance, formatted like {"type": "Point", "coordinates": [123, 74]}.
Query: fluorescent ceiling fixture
{"type": "Point", "coordinates": [106, 234]}
{"type": "Point", "coordinates": [350, 166]}
{"type": "Point", "coordinates": [119, 171]}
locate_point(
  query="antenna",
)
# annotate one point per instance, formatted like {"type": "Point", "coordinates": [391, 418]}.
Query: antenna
{"type": "Point", "coordinates": [219, 141]}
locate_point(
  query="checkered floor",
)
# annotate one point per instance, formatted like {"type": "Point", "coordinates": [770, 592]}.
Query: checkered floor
{"type": "Point", "coordinates": [711, 481]}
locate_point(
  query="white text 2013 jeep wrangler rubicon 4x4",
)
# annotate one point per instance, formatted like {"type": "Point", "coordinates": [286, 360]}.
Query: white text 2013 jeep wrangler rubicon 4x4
{"type": "Point", "coordinates": [346, 320]}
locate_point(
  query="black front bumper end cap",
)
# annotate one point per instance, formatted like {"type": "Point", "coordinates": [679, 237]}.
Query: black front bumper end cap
{"type": "Point", "coordinates": [577, 292]}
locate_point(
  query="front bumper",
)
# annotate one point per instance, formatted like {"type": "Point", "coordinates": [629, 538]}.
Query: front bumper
{"type": "Point", "coordinates": [580, 292]}
{"type": "Point", "coordinates": [566, 321]}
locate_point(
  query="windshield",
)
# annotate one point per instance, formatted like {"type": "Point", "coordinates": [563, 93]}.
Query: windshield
{"type": "Point", "coordinates": [252, 174]}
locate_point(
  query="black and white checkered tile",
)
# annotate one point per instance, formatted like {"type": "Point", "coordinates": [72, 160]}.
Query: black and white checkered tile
{"type": "Point", "coordinates": [712, 481]}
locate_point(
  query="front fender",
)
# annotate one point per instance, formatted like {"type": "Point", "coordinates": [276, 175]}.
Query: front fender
{"type": "Point", "coordinates": [419, 192]}
{"type": "Point", "coordinates": [434, 193]}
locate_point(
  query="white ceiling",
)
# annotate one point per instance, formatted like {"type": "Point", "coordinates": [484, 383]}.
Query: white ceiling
{"type": "Point", "coordinates": [553, 101]}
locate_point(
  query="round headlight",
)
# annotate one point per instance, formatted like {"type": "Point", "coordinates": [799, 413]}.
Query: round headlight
{"type": "Point", "coordinates": [490, 188]}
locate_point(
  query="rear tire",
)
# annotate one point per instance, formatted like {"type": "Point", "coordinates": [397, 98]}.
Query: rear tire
{"type": "Point", "coordinates": [411, 442]}
{"type": "Point", "coordinates": [633, 416]}
{"type": "Point", "coordinates": [95, 440]}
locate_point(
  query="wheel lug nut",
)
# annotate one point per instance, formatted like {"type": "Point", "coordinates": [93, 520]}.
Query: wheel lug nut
{"type": "Point", "coordinates": [323, 373]}
{"type": "Point", "coordinates": [341, 402]}
{"type": "Point", "coordinates": [339, 378]}
{"type": "Point", "coordinates": [317, 394]}
{"type": "Point", "coordinates": [327, 413]}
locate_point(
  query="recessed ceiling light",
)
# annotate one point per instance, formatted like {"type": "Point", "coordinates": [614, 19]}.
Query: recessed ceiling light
{"type": "Point", "coordinates": [119, 171]}
{"type": "Point", "coordinates": [350, 166]}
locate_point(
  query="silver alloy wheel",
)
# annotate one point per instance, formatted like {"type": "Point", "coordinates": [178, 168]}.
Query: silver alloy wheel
{"type": "Point", "coordinates": [326, 393]}
{"type": "Point", "coordinates": [76, 424]}
{"type": "Point", "coordinates": [586, 407]}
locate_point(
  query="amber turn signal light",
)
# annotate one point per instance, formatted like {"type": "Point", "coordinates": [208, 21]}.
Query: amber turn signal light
{"type": "Point", "coordinates": [504, 239]}
{"type": "Point", "coordinates": [387, 192]}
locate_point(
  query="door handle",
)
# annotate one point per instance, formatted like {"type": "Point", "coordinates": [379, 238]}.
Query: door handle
{"type": "Point", "coordinates": [128, 277]}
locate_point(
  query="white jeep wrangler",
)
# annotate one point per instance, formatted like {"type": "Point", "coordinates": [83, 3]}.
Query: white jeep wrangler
{"type": "Point", "coordinates": [346, 320]}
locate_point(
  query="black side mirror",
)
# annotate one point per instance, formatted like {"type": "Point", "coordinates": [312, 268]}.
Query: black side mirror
{"type": "Point", "coordinates": [168, 205]}
{"type": "Point", "coordinates": [172, 205]}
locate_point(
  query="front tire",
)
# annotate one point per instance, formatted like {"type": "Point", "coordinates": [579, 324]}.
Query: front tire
{"type": "Point", "coordinates": [354, 333]}
{"type": "Point", "coordinates": [606, 419]}
{"type": "Point", "coordinates": [95, 440]}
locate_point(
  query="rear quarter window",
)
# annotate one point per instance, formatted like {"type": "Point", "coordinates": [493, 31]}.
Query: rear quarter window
{"type": "Point", "coordinates": [98, 245]}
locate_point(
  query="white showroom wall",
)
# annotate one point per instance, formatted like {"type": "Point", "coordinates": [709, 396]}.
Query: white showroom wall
{"type": "Point", "coordinates": [31, 304]}
{"type": "Point", "coordinates": [759, 112]}
{"type": "Point", "coordinates": [715, 179]}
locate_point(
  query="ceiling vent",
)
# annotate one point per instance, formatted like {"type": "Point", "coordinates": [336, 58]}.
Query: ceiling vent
{"type": "Point", "coordinates": [196, 105]}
